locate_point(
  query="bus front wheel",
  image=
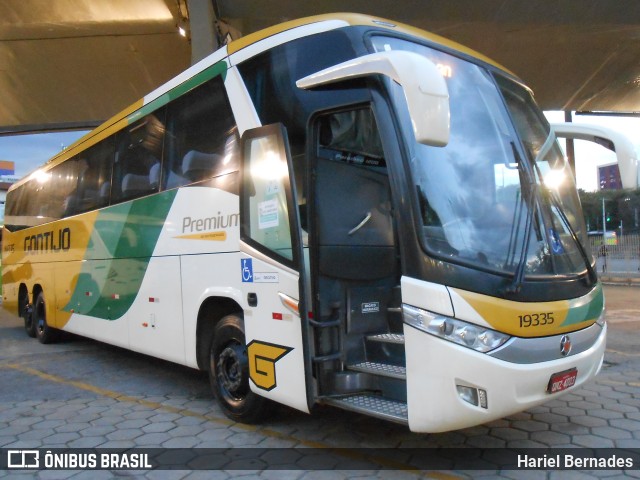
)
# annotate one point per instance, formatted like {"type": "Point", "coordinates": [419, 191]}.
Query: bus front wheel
{"type": "Point", "coordinates": [44, 332]}
{"type": "Point", "coordinates": [229, 373]}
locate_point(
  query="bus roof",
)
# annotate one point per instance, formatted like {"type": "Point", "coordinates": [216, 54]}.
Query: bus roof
{"type": "Point", "coordinates": [356, 19]}
{"type": "Point", "coordinates": [120, 120]}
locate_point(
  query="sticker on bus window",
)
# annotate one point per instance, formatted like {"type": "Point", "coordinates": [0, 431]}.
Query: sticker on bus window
{"type": "Point", "coordinates": [268, 214]}
{"type": "Point", "coordinates": [556, 243]}
{"type": "Point", "coordinates": [273, 187]}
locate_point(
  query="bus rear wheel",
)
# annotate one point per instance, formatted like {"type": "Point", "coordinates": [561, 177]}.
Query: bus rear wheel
{"type": "Point", "coordinates": [44, 332]}
{"type": "Point", "coordinates": [229, 373]}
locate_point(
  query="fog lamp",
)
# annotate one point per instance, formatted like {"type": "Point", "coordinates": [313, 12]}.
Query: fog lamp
{"type": "Point", "coordinates": [475, 396]}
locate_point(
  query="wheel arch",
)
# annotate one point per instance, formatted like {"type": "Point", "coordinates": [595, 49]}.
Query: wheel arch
{"type": "Point", "coordinates": [35, 291]}
{"type": "Point", "coordinates": [23, 296]}
{"type": "Point", "coordinates": [212, 310]}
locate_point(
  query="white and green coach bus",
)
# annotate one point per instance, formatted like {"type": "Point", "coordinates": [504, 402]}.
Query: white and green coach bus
{"type": "Point", "coordinates": [337, 210]}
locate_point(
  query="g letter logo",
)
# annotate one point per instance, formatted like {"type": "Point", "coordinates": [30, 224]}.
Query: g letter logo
{"type": "Point", "coordinates": [262, 363]}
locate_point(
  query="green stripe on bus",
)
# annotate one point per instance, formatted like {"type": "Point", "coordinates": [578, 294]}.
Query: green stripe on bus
{"type": "Point", "coordinates": [127, 234]}
{"type": "Point", "coordinates": [207, 74]}
{"type": "Point", "coordinates": [591, 310]}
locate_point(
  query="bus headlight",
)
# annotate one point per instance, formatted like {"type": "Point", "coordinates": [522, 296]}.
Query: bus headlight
{"type": "Point", "coordinates": [602, 321]}
{"type": "Point", "coordinates": [468, 335]}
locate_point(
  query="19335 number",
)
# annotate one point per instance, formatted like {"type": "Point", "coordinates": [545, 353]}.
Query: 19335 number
{"type": "Point", "coordinates": [536, 319]}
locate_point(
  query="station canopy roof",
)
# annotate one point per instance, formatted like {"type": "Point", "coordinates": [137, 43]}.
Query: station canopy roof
{"type": "Point", "coordinates": [69, 63]}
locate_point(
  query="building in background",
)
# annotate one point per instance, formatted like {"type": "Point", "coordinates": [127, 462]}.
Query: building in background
{"type": "Point", "coordinates": [609, 177]}
{"type": "Point", "coordinates": [7, 178]}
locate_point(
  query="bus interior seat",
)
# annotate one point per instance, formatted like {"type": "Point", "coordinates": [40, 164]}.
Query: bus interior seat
{"type": "Point", "coordinates": [69, 205]}
{"type": "Point", "coordinates": [87, 200]}
{"type": "Point", "coordinates": [174, 180]}
{"type": "Point", "coordinates": [154, 176]}
{"type": "Point", "coordinates": [198, 165]}
{"type": "Point", "coordinates": [105, 192]}
{"type": "Point", "coordinates": [133, 185]}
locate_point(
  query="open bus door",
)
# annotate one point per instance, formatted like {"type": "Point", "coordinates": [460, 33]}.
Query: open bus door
{"type": "Point", "coordinates": [272, 269]}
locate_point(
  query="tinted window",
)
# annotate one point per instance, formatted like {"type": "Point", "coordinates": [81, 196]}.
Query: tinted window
{"type": "Point", "coordinates": [201, 137]}
{"type": "Point", "coordinates": [192, 139]}
{"type": "Point", "coordinates": [18, 206]}
{"type": "Point", "coordinates": [62, 198]}
{"type": "Point", "coordinates": [94, 176]}
{"type": "Point", "coordinates": [270, 79]}
{"type": "Point", "coordinates": [43, 198]}
{"type": "Point", "coordinates": [138, 158]}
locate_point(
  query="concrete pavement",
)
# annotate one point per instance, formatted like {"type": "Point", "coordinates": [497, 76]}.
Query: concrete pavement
{"type": "Point", "coordinates": [85, 394]}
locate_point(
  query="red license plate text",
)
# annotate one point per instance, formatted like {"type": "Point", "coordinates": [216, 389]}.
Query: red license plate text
{"type": "Point", "coordinates": [562, 380]}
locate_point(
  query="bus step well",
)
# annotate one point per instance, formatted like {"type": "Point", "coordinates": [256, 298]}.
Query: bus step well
{"type": "Point", "coordinates": [396, 338]}
{"type": "Point", "coordinates": [375, 385]}
{"type": "Point", "coordinates": [372, 405]}
{"type": "Point", "coordinates": [382, 369]}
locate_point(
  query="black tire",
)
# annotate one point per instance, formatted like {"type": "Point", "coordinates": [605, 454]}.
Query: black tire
{"type": "Point", "coordinates": [24, 310]}
{"type": "Point", "coordinates": [229, 373]}
{"type": "Point", "coordinates": [44, 332]}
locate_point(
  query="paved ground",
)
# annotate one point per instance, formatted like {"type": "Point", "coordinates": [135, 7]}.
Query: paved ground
{"type": "Point", "coordinates": [81, 393]}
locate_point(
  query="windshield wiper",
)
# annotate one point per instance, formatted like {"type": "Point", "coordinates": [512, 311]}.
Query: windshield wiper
{"type": "Point", "coordinates": [546, 146]}
{"type": "Point", "coordinates": [529, 203]}
{"type": "Point", "coordinates": [593, 277]}
{"type": "Point", "coordinates": [518, 276]}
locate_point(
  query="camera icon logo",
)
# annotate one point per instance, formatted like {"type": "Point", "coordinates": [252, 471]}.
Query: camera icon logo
{"type": "Point", "coordinates": [23, 459]}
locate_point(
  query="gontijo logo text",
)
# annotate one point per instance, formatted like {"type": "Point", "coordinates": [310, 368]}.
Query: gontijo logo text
{"type": "Point", "coordinates": [46, 242]}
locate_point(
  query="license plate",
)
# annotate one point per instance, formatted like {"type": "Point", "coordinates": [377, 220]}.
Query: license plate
{"type": "Point", "coordinates": [562, 380]}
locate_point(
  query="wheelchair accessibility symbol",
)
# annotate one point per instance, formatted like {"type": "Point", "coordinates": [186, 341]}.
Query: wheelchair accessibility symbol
{"type": "Point", "coordinates": [556, 243]}
{"type": "Point", "coordinates": [247, 270]}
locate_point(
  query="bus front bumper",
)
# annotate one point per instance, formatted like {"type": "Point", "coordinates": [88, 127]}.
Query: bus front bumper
{"type": "Point", "coordinates": [436, 369]}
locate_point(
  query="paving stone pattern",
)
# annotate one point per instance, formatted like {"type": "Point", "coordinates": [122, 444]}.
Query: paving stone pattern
{"type": "Point", "coordinates": [84, 394]}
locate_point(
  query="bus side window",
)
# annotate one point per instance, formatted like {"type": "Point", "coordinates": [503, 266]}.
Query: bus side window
{"type": "Point", "coordinates": [139, 154]}
{"type": "Point", "coordinates": [33, 202]}
{"type": "Point", "coordinates": [201, 136]}
{"type": "Point", "coordinates": [94, 180]}
{"type": "Point", "coordinates": [32, 197]}
{"type": "Point", "coordinates": [25, 206]}
{"type": "Point", "coordinates": [63, 196]}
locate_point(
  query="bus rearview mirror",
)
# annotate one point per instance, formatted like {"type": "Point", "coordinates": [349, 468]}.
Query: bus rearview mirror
{"type": "Point", "coordinates": [424, 87]}
{"type": "Point", "coordinates": [613, 140]}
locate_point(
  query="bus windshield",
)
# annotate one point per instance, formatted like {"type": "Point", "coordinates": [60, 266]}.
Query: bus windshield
{"type": "Point", "coordinates": [500, 196]}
